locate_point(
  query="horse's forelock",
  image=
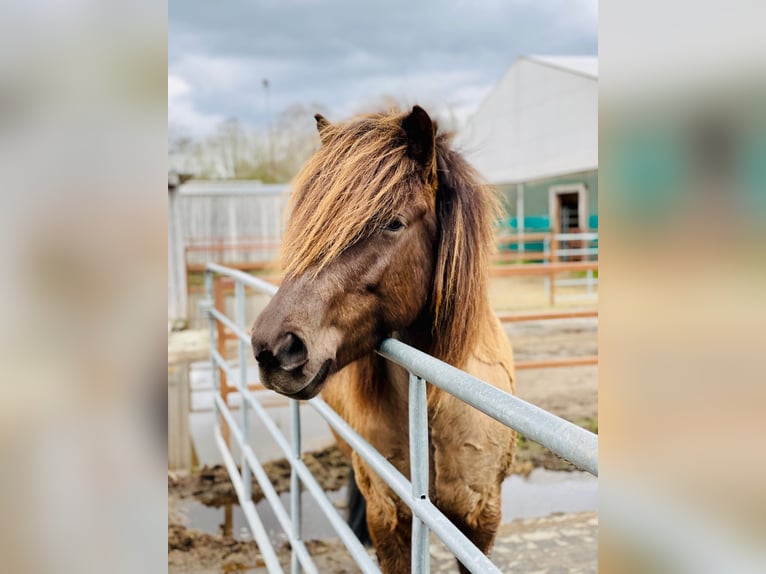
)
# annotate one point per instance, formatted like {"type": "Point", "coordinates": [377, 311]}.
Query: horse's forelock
{"type": "Point", "coordinates": [357, 180]}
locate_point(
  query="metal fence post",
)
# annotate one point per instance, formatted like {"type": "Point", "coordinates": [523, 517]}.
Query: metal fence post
{"type": "Point", "coordinates": [418, 413]}
{"type": "Point", "coordinates": [296, 514]}
{"type": "Point", "coordinates": [239, 293]}
{"type": "Point", "coordinates": [548, 278]}
{"type": "Point", "coordinates": [589, 272]}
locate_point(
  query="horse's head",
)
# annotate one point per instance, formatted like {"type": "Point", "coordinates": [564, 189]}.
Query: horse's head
{"type": "Point", "coordinates": [364, 250]}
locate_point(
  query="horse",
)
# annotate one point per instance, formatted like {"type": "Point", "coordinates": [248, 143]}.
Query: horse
{"type": "Point", "coordinates": [389, 234]}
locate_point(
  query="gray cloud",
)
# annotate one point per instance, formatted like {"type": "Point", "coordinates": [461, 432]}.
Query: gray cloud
{"type": "Point", "coordinates": [344, 55]}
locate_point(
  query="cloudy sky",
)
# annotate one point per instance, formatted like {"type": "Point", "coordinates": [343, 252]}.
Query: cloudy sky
{"type": "Point", "coordinates": [346, 55]}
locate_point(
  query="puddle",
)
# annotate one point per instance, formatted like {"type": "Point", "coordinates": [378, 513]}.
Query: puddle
{"type": "Point", "coordinates": [542, 493]}
{"type": "Point", "coordinates": [315, 525]}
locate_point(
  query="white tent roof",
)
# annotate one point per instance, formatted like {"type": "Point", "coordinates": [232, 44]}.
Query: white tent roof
{"type": "Point", "coordinates": [540, 120]}
{"type": "Point", "coordinates": [585, 65]}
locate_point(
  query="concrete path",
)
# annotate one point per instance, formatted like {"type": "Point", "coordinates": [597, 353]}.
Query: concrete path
{"type": "Point", "coordinates": [557, 544]}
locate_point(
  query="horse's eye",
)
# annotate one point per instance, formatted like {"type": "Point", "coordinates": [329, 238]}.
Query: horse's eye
{"type": "Point", "coordinates": [394, 225]}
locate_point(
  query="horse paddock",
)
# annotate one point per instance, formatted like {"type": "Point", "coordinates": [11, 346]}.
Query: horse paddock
{"type": "Point", "coordinates": [531, 539]}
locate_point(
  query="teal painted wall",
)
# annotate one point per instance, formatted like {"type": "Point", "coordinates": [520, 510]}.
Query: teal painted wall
{"type": "Point", "coordinates": [536, 200]}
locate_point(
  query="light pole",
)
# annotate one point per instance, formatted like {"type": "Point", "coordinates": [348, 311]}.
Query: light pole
{"type": "Point", "coordinates": [270, 135]}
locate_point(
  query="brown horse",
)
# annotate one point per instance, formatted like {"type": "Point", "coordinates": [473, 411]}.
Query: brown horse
{"type": "Point", "coordinates": [389, 235]}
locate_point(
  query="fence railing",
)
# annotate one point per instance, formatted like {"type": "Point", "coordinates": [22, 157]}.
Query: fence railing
{"type": "Point", "coordinates": [260, 253]}
{"type": "Point", "coordinates": [548, 255]}
{"type": "Point", "coordinates": [571, 442]}
{"type": "Point", "coordinates": [587, 360]}
{"type": "Point", "coordinates": [555, 253]}
{"type": "Point", "coordinates": [243, 253]}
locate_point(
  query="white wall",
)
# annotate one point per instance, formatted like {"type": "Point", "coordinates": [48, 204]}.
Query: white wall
{"type": "Point", "coordinates": [228, 210]}
{"type": "Point", "coordinates": [231, 209]}
{"type": "Point", "coordinates": [539, 121]}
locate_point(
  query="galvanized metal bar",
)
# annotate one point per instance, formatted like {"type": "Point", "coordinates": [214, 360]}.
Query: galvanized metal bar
{"type": "Point", "coordinates": [355, 548]}
{"type": "Point", "coordinates": [239, 295]}
{"type": "Point", "coordinates": [241, 335]}
{"type": "Point", "coordinates": [248, 508]}
{"type": "Point", "coordinates": [263, 480]}
{"type": "Point", "coordinates": [578, 297]}
{"type": "Point", "coordinates": [300, 552]}
{"type": "Point", "coordinates": [569, 441]}
{"type": "Point", "coordinates": [419, 455]}
{"type": "Point", "coordinates": [221, 362]}
{"type": "Point", "coordinates": [548, 278]}
{"type": "Point", "coordinates": [347, 536]}
{"type": "Point", "coordinates": [577, 282]}
{"type": "Point", "coordinates": [295, 484]}
{"type": "Point", "coordinates": [569, 251]}
{"type": "Point", "coordinates": [245, 278]}
{"type": "Point", "coordinates": [269, 492]}
{"type": "Point", "coordinates": [465, 550]}
{"type": "Point", "coordinates": [585, 236]}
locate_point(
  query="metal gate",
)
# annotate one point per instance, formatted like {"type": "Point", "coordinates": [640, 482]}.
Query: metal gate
{"type": "Point", "coordinates": [569, 441]}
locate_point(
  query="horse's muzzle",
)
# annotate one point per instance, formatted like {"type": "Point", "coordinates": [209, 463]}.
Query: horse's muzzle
{"type": "Point", "coordinates": [288, 353]}
{"type": "Point", "coordinates": [295, 384]}
{"type": "Point", "coordinates": [284, 366]}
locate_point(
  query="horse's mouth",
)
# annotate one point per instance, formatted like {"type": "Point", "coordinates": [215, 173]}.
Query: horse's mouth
{"type": "Point", "coordinates": [313, 387]}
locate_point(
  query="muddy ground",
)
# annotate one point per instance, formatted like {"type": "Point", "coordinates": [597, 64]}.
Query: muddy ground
{"type": "Point", "coordinates": [571, 393]}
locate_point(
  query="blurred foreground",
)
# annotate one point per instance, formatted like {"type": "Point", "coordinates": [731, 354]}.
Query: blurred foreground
{"type": "Point", "coordinates": [682, 313]}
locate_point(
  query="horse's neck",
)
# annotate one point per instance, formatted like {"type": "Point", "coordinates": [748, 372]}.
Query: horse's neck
{"type": "Point", "coordinates": [386, 384]}
{"type": "Point", "coordinates": [421, 333]}
{"type": "Point", "coordinates": [418, 335]}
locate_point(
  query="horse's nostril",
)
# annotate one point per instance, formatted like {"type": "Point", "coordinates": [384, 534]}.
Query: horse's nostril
{"type": "Point", "coordinates": [288, 353]}
{"type": "Point", "coordinates": [292, 353]}
{"type": "Point", "coordinates": [267, 359]}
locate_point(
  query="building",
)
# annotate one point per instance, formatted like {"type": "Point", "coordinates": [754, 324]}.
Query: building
{"type": "Point", "coordinates": [535, 137]}
{"type": "Point", "coordinates": [233, 222]}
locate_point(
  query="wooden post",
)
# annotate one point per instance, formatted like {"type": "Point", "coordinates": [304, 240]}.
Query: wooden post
{"type": "Point", "coordinates": [554, 363]}
{"type": "Point", "coordinates": [227, 527]}
{"type": "Point", "coordinates": [219, 302]}
{"type": "Point", "coordinates": [545, 315]}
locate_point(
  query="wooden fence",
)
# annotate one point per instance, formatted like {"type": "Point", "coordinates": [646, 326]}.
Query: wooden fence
{"type": "Point", "coordinates": [544, 316]}
{"type": "Point", "coordinates": [573, 254]}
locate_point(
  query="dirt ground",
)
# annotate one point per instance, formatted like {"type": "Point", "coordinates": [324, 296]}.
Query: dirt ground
{"type": "Point", "coordinates": [528, 545]}
{"type": "Point", "coordinates": [571, 393]}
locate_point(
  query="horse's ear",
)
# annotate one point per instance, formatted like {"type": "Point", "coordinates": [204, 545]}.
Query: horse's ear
{"type": "Point", "coordinates": [419, 128]}
{"type": "Point", "coordinates": [322, 125]}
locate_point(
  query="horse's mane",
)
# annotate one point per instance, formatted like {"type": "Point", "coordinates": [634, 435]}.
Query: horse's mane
{"type": "Point", "coordinates": [466, 210]}
{"type": "Point", "coordinates": [357, 182]}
